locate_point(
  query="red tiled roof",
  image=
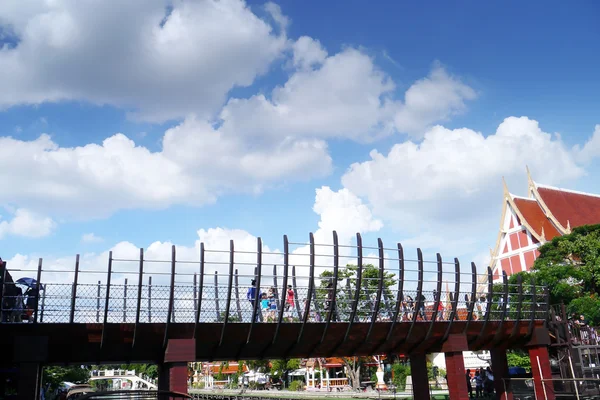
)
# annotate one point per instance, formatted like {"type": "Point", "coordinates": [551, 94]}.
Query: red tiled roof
{"type": "Point", "coordinates": [576, 208]}
{"type": "Point", "coordinates": [535, 217]}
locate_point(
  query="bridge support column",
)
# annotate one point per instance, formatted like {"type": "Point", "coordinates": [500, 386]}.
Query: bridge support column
{"type": "Point", "coordinates": [418, 372]}
{"type": "Point", "coordinates": [173, 374]}
{"type": "Point", "coordinates": [500, 369]}
{"type": "Point", "coordinates": [30, 381]}
{"type": "Point", "coordinates": [540, 369]}
{"type": "Point", "coordinates": [455, 366]}
{"type": "Point", "coordinates": [173, 377]}
{"type": "Point", "coordinates": [540, 364]}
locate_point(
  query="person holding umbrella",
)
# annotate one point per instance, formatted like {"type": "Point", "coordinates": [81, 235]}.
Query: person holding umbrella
{"type": "Point", "coordinates": [32, 294]}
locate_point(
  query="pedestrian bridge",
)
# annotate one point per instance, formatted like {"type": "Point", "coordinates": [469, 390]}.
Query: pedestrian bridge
{"type": "Point", "coordinates": [315, 300]}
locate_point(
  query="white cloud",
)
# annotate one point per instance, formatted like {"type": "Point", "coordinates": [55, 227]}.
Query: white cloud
{"type": "Point", "coordinates": [91, 238]}
{"type": "Point", "coordinates": [307, 53]}
{"type": "Point", "coordinates": [591, 149]}
{"type": "Point", "coordinates": [344, 95]}
{"type": "Point", "coordinates": [432, 99]}
{"type": "Point", "coordinates": [343, 212]}
{"type": "Point", "coordinates": [195, 166]}
{"type": "Point", "coordinates": [339, 210]}
{"type": "Point", "coordinates": [27, 224]}
{"type": "Point", "coordinates": [452, 179]}
{"type": "Point", "coordinates": [137, 56]}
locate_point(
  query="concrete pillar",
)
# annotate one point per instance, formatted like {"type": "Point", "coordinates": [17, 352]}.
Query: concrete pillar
{"type": "Point", "coordinates": [173, 377]}
{"type": "Point", "coordinates": [500, 370]}
{"type": "Point", "coordinates": [173, 373]}
{"type": "Point", "coordinates": [418, 372]}
{"type": "Point", "coordinates": [457, 382]}
{"type": "Point", "coordinates": [30, 381]}
{"type": "Point", "coordinates": [540, 369]}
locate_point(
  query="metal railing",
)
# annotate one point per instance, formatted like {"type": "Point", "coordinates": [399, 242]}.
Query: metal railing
{"type": "Point", "coordinates": [559, 388]}
{"type": "Point", "coordinates": [306, 282]}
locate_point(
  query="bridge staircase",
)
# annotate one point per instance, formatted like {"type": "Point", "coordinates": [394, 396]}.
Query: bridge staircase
{"type": "Point", "coordinates": [577, 347]}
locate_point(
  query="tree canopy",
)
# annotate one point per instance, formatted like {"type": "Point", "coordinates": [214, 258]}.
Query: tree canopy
{"type": "Point", "coordinates": [569, 266]}
{"type": "Point", "coordinates": [346, 289]}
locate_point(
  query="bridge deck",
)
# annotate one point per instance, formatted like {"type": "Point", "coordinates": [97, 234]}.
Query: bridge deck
{"type": "Point", "coordinates": [81, 343]}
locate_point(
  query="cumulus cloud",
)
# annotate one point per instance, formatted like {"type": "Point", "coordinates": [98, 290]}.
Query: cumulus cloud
{"type": "Point", "coordinates": [26, 223]}
{"type": "Point", "coordinates": [591, 148]}
{"type": "Point", "coordinates": [308, 52]}
{"type": "Point", "coordinates": [160, 59]}
{"type": "Point", "coordinates": [91, 238]}
{"type": "Point", "coordinates": [432, 99]}
{"type": "Point", "coordinates": [339, 210]}
{"type": "Point", "coordinates": [452, 179]}
{"type": "Point", "coordinates": [195, 166]}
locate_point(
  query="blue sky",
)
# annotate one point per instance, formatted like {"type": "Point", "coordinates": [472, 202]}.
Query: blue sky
{"type": "Point", "coordinates": [301, 92]}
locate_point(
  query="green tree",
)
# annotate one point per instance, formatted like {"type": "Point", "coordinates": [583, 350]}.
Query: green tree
{"type": "Point", "coordinates": [346, 290]}
{"type": "Point", "coordinates": [518, 358]}
{"type": "Point", "coordinates": [569, 266]}
{"type": "Point", "coordinates": [56, 375]}
{"type": "Point", "coordinates": [282, 368]}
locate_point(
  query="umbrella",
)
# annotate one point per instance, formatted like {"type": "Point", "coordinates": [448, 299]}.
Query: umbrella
{"type": "Point", "coordinates": [29, 282]}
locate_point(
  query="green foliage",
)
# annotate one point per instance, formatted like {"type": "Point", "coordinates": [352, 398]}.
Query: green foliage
{"type": "Point", "coordinates": [296, 386]}
{"type": "Point", "coordinates": [283, 367]}
{"type": "Point", "coordinates": [346, 287]}
{"type": "Point", "coordinates": [262, 366]}
{"type": "Point", "coordinates": [588, 306]}
{"type": "Point", "coordinates": [56, 375]}
{"type": "Point", "coordinates": [220, 375]}
{"type": "Point", "coordinates": [518, 358]}
{"type": "Point", "coordinates": [569, 266]}
{"type": "Point", "coordinates": [400, 372]}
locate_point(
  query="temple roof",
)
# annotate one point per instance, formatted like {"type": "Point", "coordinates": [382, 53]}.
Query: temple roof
{"type": "Point", "coordinates": [570, 208]}
{"type": "Point", "coordinates": [535, 217]}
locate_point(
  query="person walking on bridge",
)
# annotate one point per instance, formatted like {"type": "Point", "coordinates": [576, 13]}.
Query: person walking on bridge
{"type": "Point", "coordinates": [252, 296]}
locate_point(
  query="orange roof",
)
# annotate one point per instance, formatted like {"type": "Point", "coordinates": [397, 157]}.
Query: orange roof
{"type": "Point", "coordinates": [227, 370]}
{"type": "Point", "coordinates": [535, 217]}
{"type": "Point", "coordinates": [574, 208]}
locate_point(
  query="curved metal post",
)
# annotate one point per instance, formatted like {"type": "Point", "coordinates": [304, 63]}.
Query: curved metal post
{"type": "Point", "coordinates": [311, 283]}
{"type": "Point", "coordinates": [533, 304]}
{"type": "Point", "coordinates": [332, 310]}
{"type": "Point", "coordinates": [359, 251]}
{"type": "Point", "coordinates": [282, 303]}
{"type": "Point", "coordinates": [295, 287]}
{"type": "Point", "coordinates": [379, 289]}
{"type": "Point", "coordinates": [515, 329]}
{"type": "Point", "coordinates": [400, 296]}
{"type": "Point", "coordinates": [217, 308]}
{"type": "Point", "coordinates": [73, 290]}
{"type": "Point", "coordinates": [504, 307]}
{"type": "Point", "coordinates": [473, 301]}
{"type": "Point", "coordinates": [200, 289]}
{"type": "Point", "coordinates": [454, 298]}
{"type": "Point", "coordinates": [257, 291]}
{"type": "Point", "coordinates": [37, 299]}
{"type": "Point", "coordinates": [315, 303]}
{"type": "Point", "coordinates": [547, 307]}
{"type": "Point", "coordinates": [488, 308]}
{"type": "Point", "coordinates": [419, 294]}
{"type": "Point", "coordinates": [437, 301]}
{"type": "Point", "coordinates": [275, 291]}
{"type": "Point", "coordinates": [238, 306]}
{"type": "Point", "coordinates": [229, 287]}
{"type": "Point", "coordinates": [110, 259]}
{"type": "Point", "coordinates": [139, 297]}
{"type": "Point", "coordinates": [171, 297]}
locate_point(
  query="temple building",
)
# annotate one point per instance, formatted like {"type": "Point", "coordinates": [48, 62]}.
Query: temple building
{"type": "Point", "coordinates": [529, 222]}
